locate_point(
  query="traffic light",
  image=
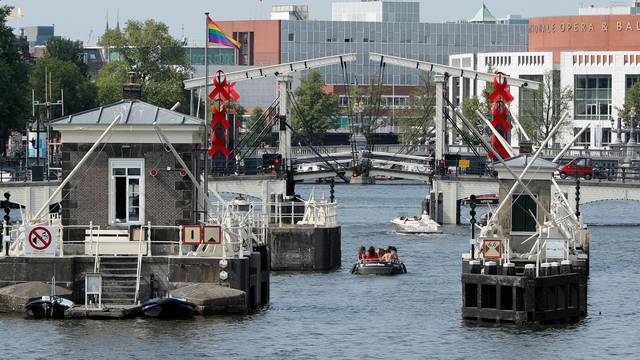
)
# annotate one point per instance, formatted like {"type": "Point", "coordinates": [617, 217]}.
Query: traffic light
{"type": "Point", "coordinates": [272, 163]}
{"type": "Point", "coordinates": [277, 165]}
{"type": "Point", "coordinates": [472, 205]}
{"type": "Point", "coordinates": [443, 168]}
{"type": "Point", "coordinates": [7, 208]}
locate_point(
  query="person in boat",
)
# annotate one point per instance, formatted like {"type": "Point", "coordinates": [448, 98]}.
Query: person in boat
{"type": "Point", "coordinates": [362, 253]}
{"type": "Point", "coordinates": [381, 253]}
{"type": "Point", "coordinates": [393, 253]}
{"type": "Point", "coordinates": [371, 254]}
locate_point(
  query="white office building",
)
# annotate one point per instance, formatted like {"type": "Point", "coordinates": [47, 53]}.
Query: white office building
{"type": "Point", "coordinates": [599, 81]}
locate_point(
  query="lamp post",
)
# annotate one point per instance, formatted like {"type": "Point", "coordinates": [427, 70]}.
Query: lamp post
{"type": "Point", "coordinates": [632, 126]}
{"type": "Point", "coordinates": [631, 144]}
{"type": "Point", "coordinates": [358, 110]}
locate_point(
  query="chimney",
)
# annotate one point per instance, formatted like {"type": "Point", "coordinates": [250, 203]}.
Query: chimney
{"type": "Point", "coordinates": [131, 90]}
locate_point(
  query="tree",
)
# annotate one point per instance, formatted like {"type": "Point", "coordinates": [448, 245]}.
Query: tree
{"type": "Point", "coordinates": [109, 82]}
{"type": "Point", "coordinates": [542, 110]}
{"type": "Point", "coordinates": [631, 100]}
{"type": "Point", "coordinates": [67, 50]}
{"type": "Point", "coordinates": [254, 120]}
{"type": "Point", "coordinates": [316, 109]}
{"type": "Point", "coordinates": [371, 100]}
{"type": "Point", "coordinates": [13, 79]}
{"type": "Point", "coordinates": [418, 120]}
{"type": "Point", "coordinates": [159, 60]}
{"type": "Point", "coordinates": [79, 91]}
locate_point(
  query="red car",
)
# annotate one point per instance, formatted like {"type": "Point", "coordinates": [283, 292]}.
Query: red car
{"type": "Point", "coordinates": [578, 167]}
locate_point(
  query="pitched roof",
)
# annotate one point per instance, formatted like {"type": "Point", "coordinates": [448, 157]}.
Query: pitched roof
{"type": "Point", "coordinates": [134, 112]}
{"type": "Point", "coordinates": [483, 16]}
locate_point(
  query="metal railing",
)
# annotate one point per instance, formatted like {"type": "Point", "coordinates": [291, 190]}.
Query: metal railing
{"type": "Point", "coordinates": [551, 152]}
{"type": "Point", "coordinates": [315, 213]}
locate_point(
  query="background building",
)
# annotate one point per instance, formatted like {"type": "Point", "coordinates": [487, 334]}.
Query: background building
{"type": "Point", "coordinates": [389, 27]}
{"type": "Point", "coordinates": [599, 80]}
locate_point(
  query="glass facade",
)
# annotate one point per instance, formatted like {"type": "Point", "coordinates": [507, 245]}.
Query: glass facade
{"type": "Point", "coordinates": [585, 138]}
{"type": "Point", "coordinates": [592, 97]}
{"type": "Point", "coordinates": [630, 80]}
{"type": "Point", "coordinates": [217, 56]}
{"type": "Point", "coordinates": [422, 41]}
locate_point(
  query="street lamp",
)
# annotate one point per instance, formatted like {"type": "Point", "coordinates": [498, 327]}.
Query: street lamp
{"type": "Point", "coordinates": [358, 109]}
{"type": "Point", "coordinates": [632, 126]}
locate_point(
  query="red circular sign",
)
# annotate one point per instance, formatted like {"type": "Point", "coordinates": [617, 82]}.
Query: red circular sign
{"type": "Point", "coordinates": [39, 238]}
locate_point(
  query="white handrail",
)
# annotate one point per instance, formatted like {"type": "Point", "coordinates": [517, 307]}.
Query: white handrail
{"type": "Point", "coordinates": [139, 265]}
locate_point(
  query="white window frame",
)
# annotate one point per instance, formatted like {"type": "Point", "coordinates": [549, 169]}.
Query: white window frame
{"type": "Point", "coordinates": [126, 163]}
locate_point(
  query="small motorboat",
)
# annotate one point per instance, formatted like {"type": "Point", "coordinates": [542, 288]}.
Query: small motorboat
{"type": "Point", "coordinates": [48, 307]}
{"type": "Point", "coordinates": [169, 307]}
{"type": "Point", "coordinates": [416, 225]}
{"type": "Point", "coordinates": [378, 267]}
{"type": "Point", "coordinates": [240, 203]}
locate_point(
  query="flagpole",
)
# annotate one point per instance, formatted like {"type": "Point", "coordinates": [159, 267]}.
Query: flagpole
{"type": "Point", "coordinates": [206, 117]}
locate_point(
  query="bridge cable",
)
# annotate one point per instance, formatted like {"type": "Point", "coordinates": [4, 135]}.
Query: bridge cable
{"type": "Point", "coordinates": [298, 112]}
{"type": "Point", "coordinates": [308, 143]}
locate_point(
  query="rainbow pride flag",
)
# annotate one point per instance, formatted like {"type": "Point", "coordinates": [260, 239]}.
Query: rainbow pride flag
{"type": "Point", "coordinates": [218, 36]}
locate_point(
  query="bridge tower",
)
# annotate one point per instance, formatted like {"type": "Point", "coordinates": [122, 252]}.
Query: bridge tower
{"type": "Point", "coordinates": [443, 198]}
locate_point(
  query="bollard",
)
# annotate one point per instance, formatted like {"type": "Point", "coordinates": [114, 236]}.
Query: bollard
{"type": "Point", "coordinates": [474, 266]}
{"type": "Point", "coordinates": [530, 271]}
{"type": "Point", "coordinates": [490, 268]}
{"type": "Point", "coordinates": [554, 269]}
{"type": "Point", "coordinates": [544, 269]}
{"type": "Point", "coordinates": [565, 267]}
{"type": "Point", "coordinates": [509, 269]}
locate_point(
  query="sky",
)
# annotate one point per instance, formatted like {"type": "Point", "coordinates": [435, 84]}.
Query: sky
{"type": "Point", "coordinates": [85, 20]}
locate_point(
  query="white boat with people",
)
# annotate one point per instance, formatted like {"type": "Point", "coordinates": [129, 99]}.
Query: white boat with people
{"type": "Point", "coordinates": [416, 225]}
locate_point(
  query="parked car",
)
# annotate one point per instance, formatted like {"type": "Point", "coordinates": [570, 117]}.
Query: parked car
{"type": "Point", "coordinates": [578, 167]}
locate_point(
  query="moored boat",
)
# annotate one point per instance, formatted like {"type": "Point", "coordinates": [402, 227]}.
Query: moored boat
{"type": "Point", "coordinates": [48, 307]}
{"type": "Point", "coordinates": [169, 307]}
{"type": "Point", "coordinates": [416, 225]}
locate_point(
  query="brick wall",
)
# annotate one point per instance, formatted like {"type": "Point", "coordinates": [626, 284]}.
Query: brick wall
{"type": "Point", "coordinates": [168, 196]}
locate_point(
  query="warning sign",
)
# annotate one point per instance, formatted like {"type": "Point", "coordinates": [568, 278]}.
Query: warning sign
{"type": "Point", "coordinates": [40, 241]}
{"type": "Point", "coordinates": [492, 249]}
{"type": "Point", "coordinates": [199, 234]}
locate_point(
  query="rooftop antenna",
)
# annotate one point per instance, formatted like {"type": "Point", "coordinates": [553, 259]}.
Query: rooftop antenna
{"type": "Point", "coordinates": [118, 19]}
{"type": "Point", "coordinates": [107, 18]}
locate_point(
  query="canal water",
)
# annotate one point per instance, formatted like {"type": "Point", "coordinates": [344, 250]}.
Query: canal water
{"type": "Point", "coordinates": [338, 315]}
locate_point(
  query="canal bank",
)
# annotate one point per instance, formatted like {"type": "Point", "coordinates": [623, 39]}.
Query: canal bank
{"type": "Point", "coordinates": [159, 275]}
{"type": "Point", "coordinates": [320, 315]}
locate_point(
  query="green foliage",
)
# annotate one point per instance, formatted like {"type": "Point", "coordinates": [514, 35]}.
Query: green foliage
{"type": "Point", "coordinates": [148, 48]}
{"type": "Point", "coordinates": [317, 108]}
{"type": "Point", "coordinates": [371, 99]}
{"type": "Point", "coordinates": [159, 60]}
{"type": "Point", "coordinates": [631, 100]}
{"type": "Point", "coordinates": [417, 121]}
{"type": "Point", "coordinates": [14, 105]}
{"type": "Point", "coordinates": [254, 120]}
{"type": "Point", "coordinates": [109, 82]}
{"type": "Point", "coordinates": [165, 93]}
{"type": "Point", "coordinates": [67, 50]}
{"type": "Point", "coordinates": [543, 111]}
{"type": "Point", "coordinates": [469, 108]}
{"type": "Point", "coordinates": [79, 91]}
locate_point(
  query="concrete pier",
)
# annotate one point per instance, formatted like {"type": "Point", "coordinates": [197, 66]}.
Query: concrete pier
{"type": "Point", "coordinates": [245, 289]}
{"type": "Point", "coordinates": [305, 248]}
{"type": "Point", "coordinates": [523, 298]}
